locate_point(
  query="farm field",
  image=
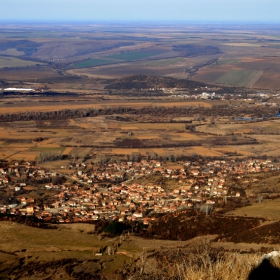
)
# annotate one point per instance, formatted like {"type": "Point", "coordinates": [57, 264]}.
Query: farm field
{"type": "Point", "coordinates": [245, 72]}
{"type": "Point", "coordinates": [254, 128]}
{"type": "Point", "coordinates": [238, 60]}
{"type": "Point", "coordinates": [33, 74]}
{"type": "Point", "coordinates": [171, 67]}
{"type": "Point", "coordinates": [240, 78]}
{"type": "Point", "coordinates": [117, 58]}
{"type": "Point", "coordinates": [45, 105]}
{"type": "Point", "coordinates": [102, 135]}
{"type": "Point", "coordinates": [8, 62]}
{"type": "Point", "coordinates": [159, 50]}
{"type": "Point", "coordinates": [18, 140]}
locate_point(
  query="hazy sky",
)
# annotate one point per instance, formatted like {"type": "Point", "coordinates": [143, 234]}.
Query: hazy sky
{"type": "Point", "coordinates": [140, 10]}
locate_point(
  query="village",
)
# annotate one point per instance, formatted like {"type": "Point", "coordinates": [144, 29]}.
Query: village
{"type": "Point", "coordinates": [118, 191]}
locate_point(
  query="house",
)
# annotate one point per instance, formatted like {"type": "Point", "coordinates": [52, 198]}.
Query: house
{"type": "Point", "coordinates": [194, 172]}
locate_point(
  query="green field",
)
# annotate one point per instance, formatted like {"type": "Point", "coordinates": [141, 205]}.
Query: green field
{"type": "Point", "coordinates": [129, 56]}
{"type": "Point", "coordinates": [91, 62]}
{"type": "Point", "coordinates": [6, 61]}
{"type": "Point", "coordinates": [117, 58]}
{"type": "Point", "coordinates": [245, 78]}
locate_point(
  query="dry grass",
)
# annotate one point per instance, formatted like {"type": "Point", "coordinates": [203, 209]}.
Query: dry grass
{"type": "Point", "coordinates": [263, 209]}
{"type": "Point", "coordinates": [232, 268]}
{"type": "Point", "coordinates": [36, 239]}
{"type": "Point", "coordinates": [154, 126]}
{"type": "Point", "coordinates": [185, 104]}
{"type": "Point", "coordinates": [186, 136]}
{"type": "Point", "coordinates": [198, 261]}
{"type": "Point", "coordinates": [29, 156]}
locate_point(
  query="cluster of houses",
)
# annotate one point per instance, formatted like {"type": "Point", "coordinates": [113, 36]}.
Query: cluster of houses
{"type": "Point", "coordinates": [123, 191]}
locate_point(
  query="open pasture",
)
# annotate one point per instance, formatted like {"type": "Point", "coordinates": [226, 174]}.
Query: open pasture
{"type": "Point", "coordinates": [36, 240]}
{"type": "Point", "coordinates": [9, 62]}
{"type": "Point", "coordinates": [265, 209]}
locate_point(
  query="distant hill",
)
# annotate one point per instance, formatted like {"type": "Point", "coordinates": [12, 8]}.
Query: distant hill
{"type": "Point", "coordinates": [145, 82]}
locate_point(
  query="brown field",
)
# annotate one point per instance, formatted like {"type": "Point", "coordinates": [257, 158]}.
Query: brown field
{"type": "Point", "coordinates": [148, 126]}
{"type": "Point", "coordinates": [269, 80]}
{"type": "Point", "coordinates": [18, 155]}
{"type": "Point", "coordinates": [185, 104]}
{"type": "Point", "coordinates": [30, 74]}
{"type": "Point", "coordinates": [45, 108]}
{"type": "Point", "coordinates": [67, 151]}
{"type": "Point", "coordinates": [29, 188]}
{"type": "Point", "coordinates": [168, 151]}
{"type": "Point", "coordinates": [187, 136]}
{"type": "Point", "coordinates": [26, 155]}
{"type": "Point", "coordinates": [265, 127]}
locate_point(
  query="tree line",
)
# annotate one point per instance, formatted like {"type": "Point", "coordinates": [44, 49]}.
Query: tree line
{"type": "Point", "coordinates": [200, 112]}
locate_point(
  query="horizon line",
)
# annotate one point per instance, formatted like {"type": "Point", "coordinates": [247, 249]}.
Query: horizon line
{"type": "Point", "coordinates": [157, 22]}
